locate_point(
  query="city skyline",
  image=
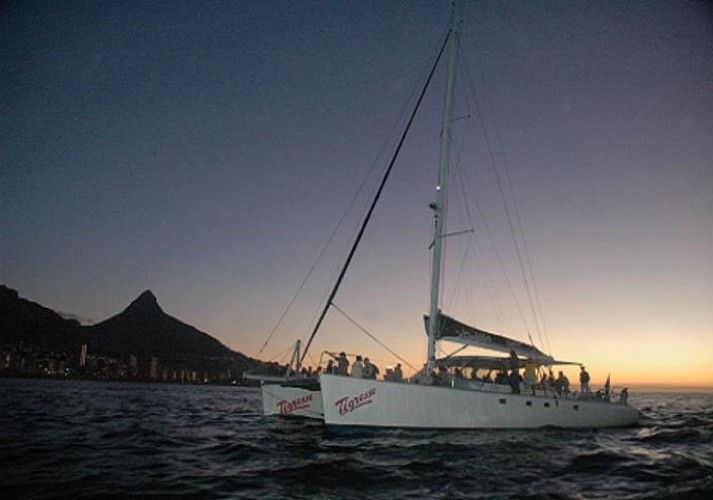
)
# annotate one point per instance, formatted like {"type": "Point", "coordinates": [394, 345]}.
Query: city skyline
{"type": "Point", "coordinates": [207, 152]}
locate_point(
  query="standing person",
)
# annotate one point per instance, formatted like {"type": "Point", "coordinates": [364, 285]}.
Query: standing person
{"type": "Point", "coordinates": [515, 382]}
{"type": "Point", "coordinates": [551, 379]}
{"type": "Point", "coordinates": [370, 369]}
{"type": "Point", "coordinates": [342, 364]}
{"type": "Point", "coordinates": [330, 367]}
{"type": "Point", "coordinates": [514, 360]}
{"type": "Point", "coordinates": [398, 373]}
{"type": "Point", "coordinates": [358, 368]}
{"type": "Point", "coordinates": [584, 382]}
{"type": "Point", "coordinates": [530, 376]}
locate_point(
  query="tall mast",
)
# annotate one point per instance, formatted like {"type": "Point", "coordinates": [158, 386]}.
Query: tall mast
{"type": "Point", "coordinates": [440, 205]}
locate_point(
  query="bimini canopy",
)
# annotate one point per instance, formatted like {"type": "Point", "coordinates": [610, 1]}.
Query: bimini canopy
{"type": "Point", "coordinates": [455, 331]}
{"type": "Point", "coordinates": [490, 362]}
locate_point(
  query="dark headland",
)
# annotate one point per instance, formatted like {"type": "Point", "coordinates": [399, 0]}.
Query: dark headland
{"type": "Point", "coordinates": [140, 343]}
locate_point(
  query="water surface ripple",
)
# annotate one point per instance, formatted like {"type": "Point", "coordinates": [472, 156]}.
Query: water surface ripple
{"type": "Point", "coordinates": [74, 439]}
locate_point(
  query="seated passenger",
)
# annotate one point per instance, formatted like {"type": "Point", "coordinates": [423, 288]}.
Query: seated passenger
{"type": "Point", "coordinates": [562, 384]}
{"type": "Point", "coordinates": [444, 376]}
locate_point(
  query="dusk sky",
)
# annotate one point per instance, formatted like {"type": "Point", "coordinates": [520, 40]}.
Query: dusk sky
{"type": "Point", "coordinates": [207, 151]}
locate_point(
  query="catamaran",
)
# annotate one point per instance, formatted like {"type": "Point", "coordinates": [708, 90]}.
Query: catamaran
{"type": "Point", "coordinates": [435, 401]}
{"type": "Point", "coordinates": [439, 397]}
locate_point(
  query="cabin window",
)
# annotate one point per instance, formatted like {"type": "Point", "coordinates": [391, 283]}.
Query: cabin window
{"type": "Point", "coordinates": [547, 405]}
{"type": "Point", "coordinates": [575, 407]}
{"type": "Point", "coordinates": [503, 401]}
{"type": "Point", "coordinates": [528, 403]}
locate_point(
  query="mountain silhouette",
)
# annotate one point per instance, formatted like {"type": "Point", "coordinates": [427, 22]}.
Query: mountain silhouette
{"type": "Point", "coordinates": [24, 321]}
{"type": "Point", "coordinates": [142, 329]}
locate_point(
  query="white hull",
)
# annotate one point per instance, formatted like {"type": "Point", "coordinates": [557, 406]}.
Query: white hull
{"type": "Point", "coordinates": [291, 400]}
{"type": "Point", "coordinates": [357, 402]}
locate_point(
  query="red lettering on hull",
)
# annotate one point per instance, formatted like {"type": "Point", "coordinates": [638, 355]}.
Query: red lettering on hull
{"type": "Point", "coordinates": [349, 404]}
{"type": "Point", "coordinates": [285, 407]}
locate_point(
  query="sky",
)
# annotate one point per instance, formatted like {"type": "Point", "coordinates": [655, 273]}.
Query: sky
{"type": "Point", "coordinates": [208, 150]}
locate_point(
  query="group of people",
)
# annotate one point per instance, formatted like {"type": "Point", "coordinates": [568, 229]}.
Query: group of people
{"type": "Point", "coordinates": [361, 368]}
{"type": "Point", "coordinates": [509, 374]}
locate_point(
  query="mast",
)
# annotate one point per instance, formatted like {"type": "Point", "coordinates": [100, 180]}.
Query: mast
{"type": "Point", "coordinates": [440, 205]}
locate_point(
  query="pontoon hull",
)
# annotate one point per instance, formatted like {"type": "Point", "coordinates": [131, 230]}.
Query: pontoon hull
{"type": "Point", "coordinates": [291, 400]}
{"type": "Point", "coordinates": [357, 402]}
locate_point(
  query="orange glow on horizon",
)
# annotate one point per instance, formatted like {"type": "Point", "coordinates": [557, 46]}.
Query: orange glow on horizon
{"type": "Point", "coordinates": [659, 362]}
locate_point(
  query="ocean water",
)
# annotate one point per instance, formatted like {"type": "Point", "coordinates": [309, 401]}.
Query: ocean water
{"type": "Point", "coordinates": [74, 439]}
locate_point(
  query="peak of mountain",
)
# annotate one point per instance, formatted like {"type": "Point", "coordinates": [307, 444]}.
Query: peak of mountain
{"type": "Point", "coordinates": [146, 303]}
{"type": "Point", "coordinates": [144, 328]}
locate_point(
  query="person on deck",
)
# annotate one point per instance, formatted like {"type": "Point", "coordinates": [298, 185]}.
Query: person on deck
{"type": "Point", "coordinates": [342, 364]}
{"type": "Point", "coordinates": [562, 384]}
{"type": "Point", "coordinates": [358, 368]}
{"type": "Point", "coordinates": [584, 383]}
{"type": "Point", "coordinates": [515, 382]}
{"type": "Point", "coordinates": [445, 378]}
{"type": "Point", "coordinates": [530, 376]}
{"type": "Point", "coordinates": [398, 373]}
{"type": "Point", "coordinates": [514, 360]}
{"type": "Point", "coordinates": [370, 370]}
{"type": "Point", "coordinates": [330, 367]}
{"type": "Point", "coordinates": [551, 379]}
{"type": "Point", "coordinates": [624, 396]}
{"type": "Point", "coordinates": [426, 377]}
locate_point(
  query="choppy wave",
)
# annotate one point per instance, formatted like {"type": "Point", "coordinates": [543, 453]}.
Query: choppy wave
{"type": "Point", "coordinates": [61, 439]}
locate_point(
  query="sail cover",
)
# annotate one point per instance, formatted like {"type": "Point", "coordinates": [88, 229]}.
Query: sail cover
{"type": "Point", "coordinates": [455, 331]}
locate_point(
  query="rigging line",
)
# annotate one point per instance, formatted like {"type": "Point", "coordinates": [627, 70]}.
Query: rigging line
{"type": "Point", "coordinates": [520, 226]}
{"type": "Point", "coordinates": [507, 209]}
{"type": "Point", "coordinates": [339, 224]}
{"type": "Point", "coordinates": [413, 96]}
{"type": "Point", "coordinates": [458, 172]}
{"type": "Point", "coordinates": [283, 355]}
{"type": "Point", "coordinates": [371, 336]}
{"type": "Point", "coordinates": [375, 200]}
{"type": "Point", "coordinates": [318, 259]}
{"type": "Point", "coordinates": [528, 262]}
{"type": "Point", "coordinates": [489, 233]}
{"type": "Point", "coordinates": [461, 348]}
